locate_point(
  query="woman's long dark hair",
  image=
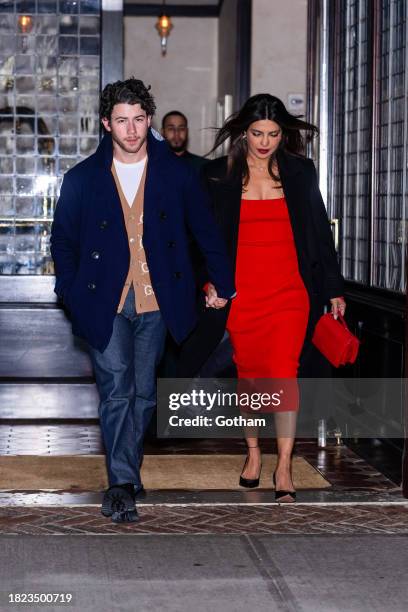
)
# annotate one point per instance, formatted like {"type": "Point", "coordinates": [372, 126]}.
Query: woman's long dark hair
{"type": "Point", "coordinates": [258, 108]}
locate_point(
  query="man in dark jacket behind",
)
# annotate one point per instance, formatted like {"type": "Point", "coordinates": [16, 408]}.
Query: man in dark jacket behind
{"type": "Point", "coordinates": [175, 131]}
{"type": "Point", "coordinates": [123, 271]}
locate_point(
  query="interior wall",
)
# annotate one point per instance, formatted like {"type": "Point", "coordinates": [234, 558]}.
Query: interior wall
{"type": "Point", "coordinates": [186, 78]}
{"type": "Point", "coordinates": [279, 43]}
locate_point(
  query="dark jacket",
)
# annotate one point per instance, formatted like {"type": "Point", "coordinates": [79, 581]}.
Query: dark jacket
{"type": "Point", "coordinates": [195, 160]}
{"type": "Point", "coordinates": [90, 248]}
{"type": "Point", "coordinates": [317, 258]}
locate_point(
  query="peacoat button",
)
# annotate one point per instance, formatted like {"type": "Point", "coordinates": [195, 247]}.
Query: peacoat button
{"type": "Point", "coordinates": [95, 255]}
{"type": "Point", "coordinates": [171, 244]}
{"type": "Point", "coordinates": [103, 225]}
{"type": "Point", "coordinates": [163, 215]}
{"type": "Point", "coordinates": [177, 274]}
{"type": "Point", "coordinates": [91, 286]}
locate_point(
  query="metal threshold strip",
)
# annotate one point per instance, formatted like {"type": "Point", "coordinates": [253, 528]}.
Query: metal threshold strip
{"type": "Point", "coordinates": [52, 498]}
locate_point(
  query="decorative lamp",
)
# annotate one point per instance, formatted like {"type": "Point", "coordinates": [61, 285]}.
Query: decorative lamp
{"type": "Point", "coordinates": [25, 24]}
{"type": "Point", "coordinates": [164, 26]}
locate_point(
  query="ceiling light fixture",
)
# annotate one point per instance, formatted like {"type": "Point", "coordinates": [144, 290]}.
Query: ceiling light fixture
{"type": "Point", "coordinates": [164, 26]}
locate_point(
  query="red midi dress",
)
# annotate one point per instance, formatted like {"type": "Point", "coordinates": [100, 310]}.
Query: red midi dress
{"type": "Point", "coordinates": [268, 317]}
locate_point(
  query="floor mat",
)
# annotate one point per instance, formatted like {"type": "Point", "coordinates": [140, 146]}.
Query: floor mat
{"type": "Point", "coordinates": [191, 472]}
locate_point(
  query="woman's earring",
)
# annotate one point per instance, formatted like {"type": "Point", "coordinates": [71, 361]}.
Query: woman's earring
{"type": "Point", "coordinates": [244, 136]}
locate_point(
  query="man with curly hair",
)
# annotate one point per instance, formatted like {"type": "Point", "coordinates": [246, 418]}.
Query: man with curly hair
{"type": "Point", "coordinates": [123, 271]}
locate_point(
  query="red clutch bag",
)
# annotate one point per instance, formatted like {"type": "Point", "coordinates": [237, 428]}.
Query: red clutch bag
{"type": "Point", "coordinates": [335, 341]}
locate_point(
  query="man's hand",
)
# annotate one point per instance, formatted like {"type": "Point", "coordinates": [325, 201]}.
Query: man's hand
{"type": "Point", "coordinates": [212, 300]}
{"type": "Point", "coordinates": [338, 305]}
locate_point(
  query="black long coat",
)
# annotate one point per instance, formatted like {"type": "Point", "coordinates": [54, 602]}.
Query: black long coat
{"type": "Point", "coordinates": [317, 258]}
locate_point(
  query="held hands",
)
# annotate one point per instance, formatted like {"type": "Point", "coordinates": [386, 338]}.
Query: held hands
{"type": "Point", "coordinates": [338, 306]}
{"type": "Point", "coordinates": [211, 299]}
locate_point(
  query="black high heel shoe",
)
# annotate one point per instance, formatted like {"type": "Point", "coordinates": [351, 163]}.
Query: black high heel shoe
{"type": "Point", "coordinates": [279, 495]}
{"type": "Point", "coordinates": [249, 483]}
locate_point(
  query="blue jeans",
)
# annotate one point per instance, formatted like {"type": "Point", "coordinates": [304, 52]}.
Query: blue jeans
{"type": "Point", "coordinates": [125, 376]}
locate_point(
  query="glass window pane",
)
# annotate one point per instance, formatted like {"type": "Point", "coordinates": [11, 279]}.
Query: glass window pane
{"type": "Point", "coordinates": [351, 187]}
{"type": "Point", "coordinates": [50, 82]}
{"type": "Point", "coordinates": [390, 212]}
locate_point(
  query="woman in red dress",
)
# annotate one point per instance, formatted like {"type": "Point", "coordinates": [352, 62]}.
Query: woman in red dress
{"type": "Point", "coordinates": [268, 205]}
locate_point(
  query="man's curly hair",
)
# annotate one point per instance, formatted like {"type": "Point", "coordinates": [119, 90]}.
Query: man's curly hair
{"type": "Point", "coordinates": [131, 91]}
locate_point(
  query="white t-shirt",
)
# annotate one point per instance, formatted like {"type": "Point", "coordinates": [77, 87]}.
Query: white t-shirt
{"type": "Point", "coordinates": [129, 176]}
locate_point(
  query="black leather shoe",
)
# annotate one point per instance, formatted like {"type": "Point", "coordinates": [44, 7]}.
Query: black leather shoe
{"type": "Point", "coordinates": [117, 499]}
{"type": "Point", "coordinates": [249, 483]}
{"type": "Point", "coordinates": [286, 497]}
{"type": "Point", "coordinates": [140, 492]}
{"type": "Point", "coordinates": [128, 516]}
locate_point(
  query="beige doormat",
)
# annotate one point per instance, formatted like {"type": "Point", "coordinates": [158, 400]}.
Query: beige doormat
{"type": "Point", "coordinates": [194, 472]}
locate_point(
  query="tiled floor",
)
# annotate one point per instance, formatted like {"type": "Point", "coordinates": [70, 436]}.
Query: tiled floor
{"type": "Point", "coordinates": [226, 519]}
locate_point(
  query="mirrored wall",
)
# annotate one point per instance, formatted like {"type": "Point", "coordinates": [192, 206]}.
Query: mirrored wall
{"type": "Point", "coordinates": [49, 94]}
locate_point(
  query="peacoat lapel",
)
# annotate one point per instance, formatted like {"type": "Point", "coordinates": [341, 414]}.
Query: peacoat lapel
{"type": "Point", "coordinates": [106, 196]}
{"type": "Point", "coordinates": [154, 185]}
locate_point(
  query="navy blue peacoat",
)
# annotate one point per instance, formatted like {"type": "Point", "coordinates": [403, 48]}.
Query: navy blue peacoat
{"type": "Point", "coordinates": [89, 243]}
